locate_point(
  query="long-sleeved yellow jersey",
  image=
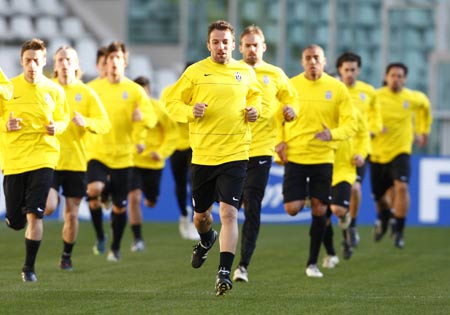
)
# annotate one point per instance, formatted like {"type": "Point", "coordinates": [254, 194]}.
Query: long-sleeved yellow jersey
{"type": "Point", "coordinates": [344, 170]}
{"type": "Point", "coordinates": [223, 134]}
{"type": "Point", "coordinates": [424, 118]}
{"type": "Point", "coordinates": [161, 139]}
{"type": "Point", "coordinates": [6, 87]}
{"type": "Point", "coordinates": [183, 128]}
{"type": "Point", "coordinates": [85, 101]}
{"type": "Point", "coordinates": [363, 98]}
{"type": "Point", "coordinates": [322, 103]}
{"type": "Point", "coordinates": [398, 111]}
{"type": "Point", "coordinates": [115, 149]}
{"type": "Point", "coordinates": [31, 148]}
{"type": "Point", "coordinates": [277, 91]}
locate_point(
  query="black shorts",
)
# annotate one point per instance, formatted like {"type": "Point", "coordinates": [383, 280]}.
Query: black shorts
{"type": "Point", "coordinates": [340, 194]}
{"type": "Point", "coordinates": [73, 183]}
{"type": "Point", "coordinates": [301, 180]}
{"type": "Point", "coordinates": [26, 193]}
{"type": "Point", "coordinates": [119, 180]}
{"type": "Point", "coordinates": [148, 181]}
{"type": "Point", "coordinates": [223, 183]}
{"type": "Point", "coordinates": [361, 171]}
{"type": "Point", "coordinates": [383, 175]}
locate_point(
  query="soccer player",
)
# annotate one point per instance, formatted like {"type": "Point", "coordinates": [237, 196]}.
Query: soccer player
{"type": "Point", "coordinates": [391, 150]}
{"type": "Point", "coordinates": [218, 96]}
{"type": "Point", "coordinates": [111, 155]}
{"type": "Point", "coordinates": [277, 94]}
{"type": "Point", "coordinates": [159, 143]}
{"type": "Point", "coordinates": [100, 63]}
{"type": "Point", "coordinates": [87, 116]}
{"type": "Point", "coordinates": [350, 154]}
{"type": "Point", "coordinates": [180, 163]}
{"type": "Point", "coordinates": [31, 119]}
{"type": "Point", "coordinates": [363, 97]}
{"type": "Point", "coordinates": [326, 116]}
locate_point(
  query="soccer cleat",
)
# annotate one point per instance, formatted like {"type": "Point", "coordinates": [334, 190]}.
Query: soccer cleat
{"type": "Point", "coordinates": [398, 240]}
{"type": "Point", "coordinates": [380, 229]}
{"type": "Point", "coordinates": [200, 252]}
{"type": "Point", "coordinates": [240, 274]}
{"type": "Point", "coordinates": [223, 282]}
{"type": "Point", "coordinates": [66, 264]}
{"type": "Point", "coordinates": [99, 247]}
{"type": "Point", "coordinates": [347, 249]}
{"type": "Point", "coordinates": [354, 236]}
{"type": "Point", "coordinates": [29, 276]}
{"type": "Point", "coordinates": [138, 246]}
{"type": "Point", "coordinates": [187, 229]}
{"type": "Point", "coordinates": [344, 221]}
{"type": "Point", "coordinates": [313, 271]}
{"type": "Point", "coordinates": [330, 261]}
{"type": "Point", "coordinates": [113, 256]}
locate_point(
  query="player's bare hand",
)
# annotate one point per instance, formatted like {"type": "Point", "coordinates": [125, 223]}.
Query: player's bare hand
{"type": "Point", "coordinates": [358, 160]}
{"type": "Point", "coordinates": [288, 113]}
{"type": "Point", "coordinates": [280, 149]}
{"type": "Point", "coordinates": [251, 114]}
{"type": "Point", "coordinates": [155, 156]}
{"type": "Point", "coordinates": [51, 128]}
{"type": "Point", "coordinates": [78, 119]}
{"type": "Point", "coordinates": [140, 148]}
{"type": "Point", "coordinates": [137, 114]}
{"type": "Point", "coordinates": [13, 124]}
{"type": "Point", "coordinates": [199, 110]}
{"type": "Point", "coordinates": [324, 135]}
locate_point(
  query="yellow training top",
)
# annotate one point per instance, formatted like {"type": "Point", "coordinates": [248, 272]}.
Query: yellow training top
{"type": "Point", "coordinates": [183, 128]}
{"type": "Point", "coordinates": [398, 111]}
{"type": "Point", "coordinates": [277, 91]}
{"type": "Point", "coordinates": [6, 87]}
{"type": "Point", "coordinates": [37, 104]}
{"type": "Point", "coordinates": [223, 133]}
{"type": "Point", "coordinates": [424, 116]}
{"type": "Point", "coordinates": [115, 149]}
{"type": "Point", "coordinates": [323, 102]}
{"type": "Point", "coordinates": [84, 100]}
{"type": "Point", "coordinates": [161, 139]}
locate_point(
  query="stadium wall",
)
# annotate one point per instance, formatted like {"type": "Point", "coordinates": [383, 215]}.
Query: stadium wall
{"type": "Point", "coordinates": [429, 190]}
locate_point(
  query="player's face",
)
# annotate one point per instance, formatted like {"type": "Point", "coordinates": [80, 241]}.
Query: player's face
{"type": "Point", "coordinates": [66, 64]}
{"type": "Point", "coordinates": [115, 64]}
{"type": "Point", "coordinates": [101, 67]}
{"type": "Point", "coordinates": [221, 46]}
{"type": "Point", "coordinates": [313, 61]}
{"type": "Point", "coordinates": [395, 79]}
{"type": "Point", "coordinates": [33, 62]}
{"type": "Point", "coordinates": [349, 72]}
{"type": "Point", "coordinates": [252, 49]}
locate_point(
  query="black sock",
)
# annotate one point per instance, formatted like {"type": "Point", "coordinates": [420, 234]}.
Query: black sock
{"type": "Point", "coordinates": [136, 229]}
{"type": "Point", "coordinates": [353, 222]}
{"type": "Point", "coordinates": [316, 233]}
{"type": "Point", "coordinates": [226, 261]}
{"type": "Point", "coordinates": [67, 252]}
{"type": "Point", "coordinates": [400, 225]}
{"type": "Point", "coordinates": [31, 248]}
{"type": "Point", "coordinates": [118, 223]}
{"type": "Point", "coordinates": [328, 240]}
{"type": "Point", "coordinates": [97, 221]}
{"type": "Point", "coordinates": [205, 238]}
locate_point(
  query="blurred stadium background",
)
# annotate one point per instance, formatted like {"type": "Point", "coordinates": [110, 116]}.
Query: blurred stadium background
{"type": "Point", "coordinates": [164, 34]}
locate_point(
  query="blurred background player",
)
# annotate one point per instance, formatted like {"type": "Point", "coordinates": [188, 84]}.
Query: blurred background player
{"type": "Point", "coordinates": [32, 118]}
{"type": "Point", "coordinates": [87, 116]}
{"type": "Point", "coordinates": [363, 97]}
{"type": "Point", "coordinates": [159, 143]}
{"type": "Point", "coordinates": [277, 94]}
{"type": "Point", "coordinates": [111, 155]}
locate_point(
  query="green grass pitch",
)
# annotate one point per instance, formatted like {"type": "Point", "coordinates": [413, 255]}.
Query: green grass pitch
{"type": "Point", "coordinates": [378, 279]}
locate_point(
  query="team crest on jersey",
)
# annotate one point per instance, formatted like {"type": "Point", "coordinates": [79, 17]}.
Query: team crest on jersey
{"type": "Point", "coordinates": [238, 76]}
{"type": "Point", "coordinates": [266, 79]}
{"type": "Point", "coordinates": [78, 97]}
{"type": "Point", "coordinates": [405, 104]}
{"type": "Point", "coordinates": [48, 98]}
{"type": "Point", "coordinates": [328, 95]}
{"type": "Point", "coordinates": [362, 96]}
{"type": "Point", "coordinates": [125, 95]}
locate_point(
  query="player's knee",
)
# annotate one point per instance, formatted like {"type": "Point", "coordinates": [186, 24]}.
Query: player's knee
{"type": "Point", "coordinates": [293, 207]}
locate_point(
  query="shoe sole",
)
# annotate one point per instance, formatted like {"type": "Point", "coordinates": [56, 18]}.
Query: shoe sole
{"type": "Point", "coordinates": [222, 288]}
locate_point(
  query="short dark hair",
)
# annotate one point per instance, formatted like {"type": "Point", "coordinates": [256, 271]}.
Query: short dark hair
{"type": "Point", "coordinates": [348, 57]}
{"type": "Point", "coordinates": [101, 52]}
{"type": "Point", "coordinates": [142, 81]}
{"type": "Point", "coordinates": [117, 46]}
{"type": "Point", "coordinates": [34, 44]}
{"type": "Point", "coordinates": [397, 65]}
{"type": "Point", "coordinates": [220, 25]}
